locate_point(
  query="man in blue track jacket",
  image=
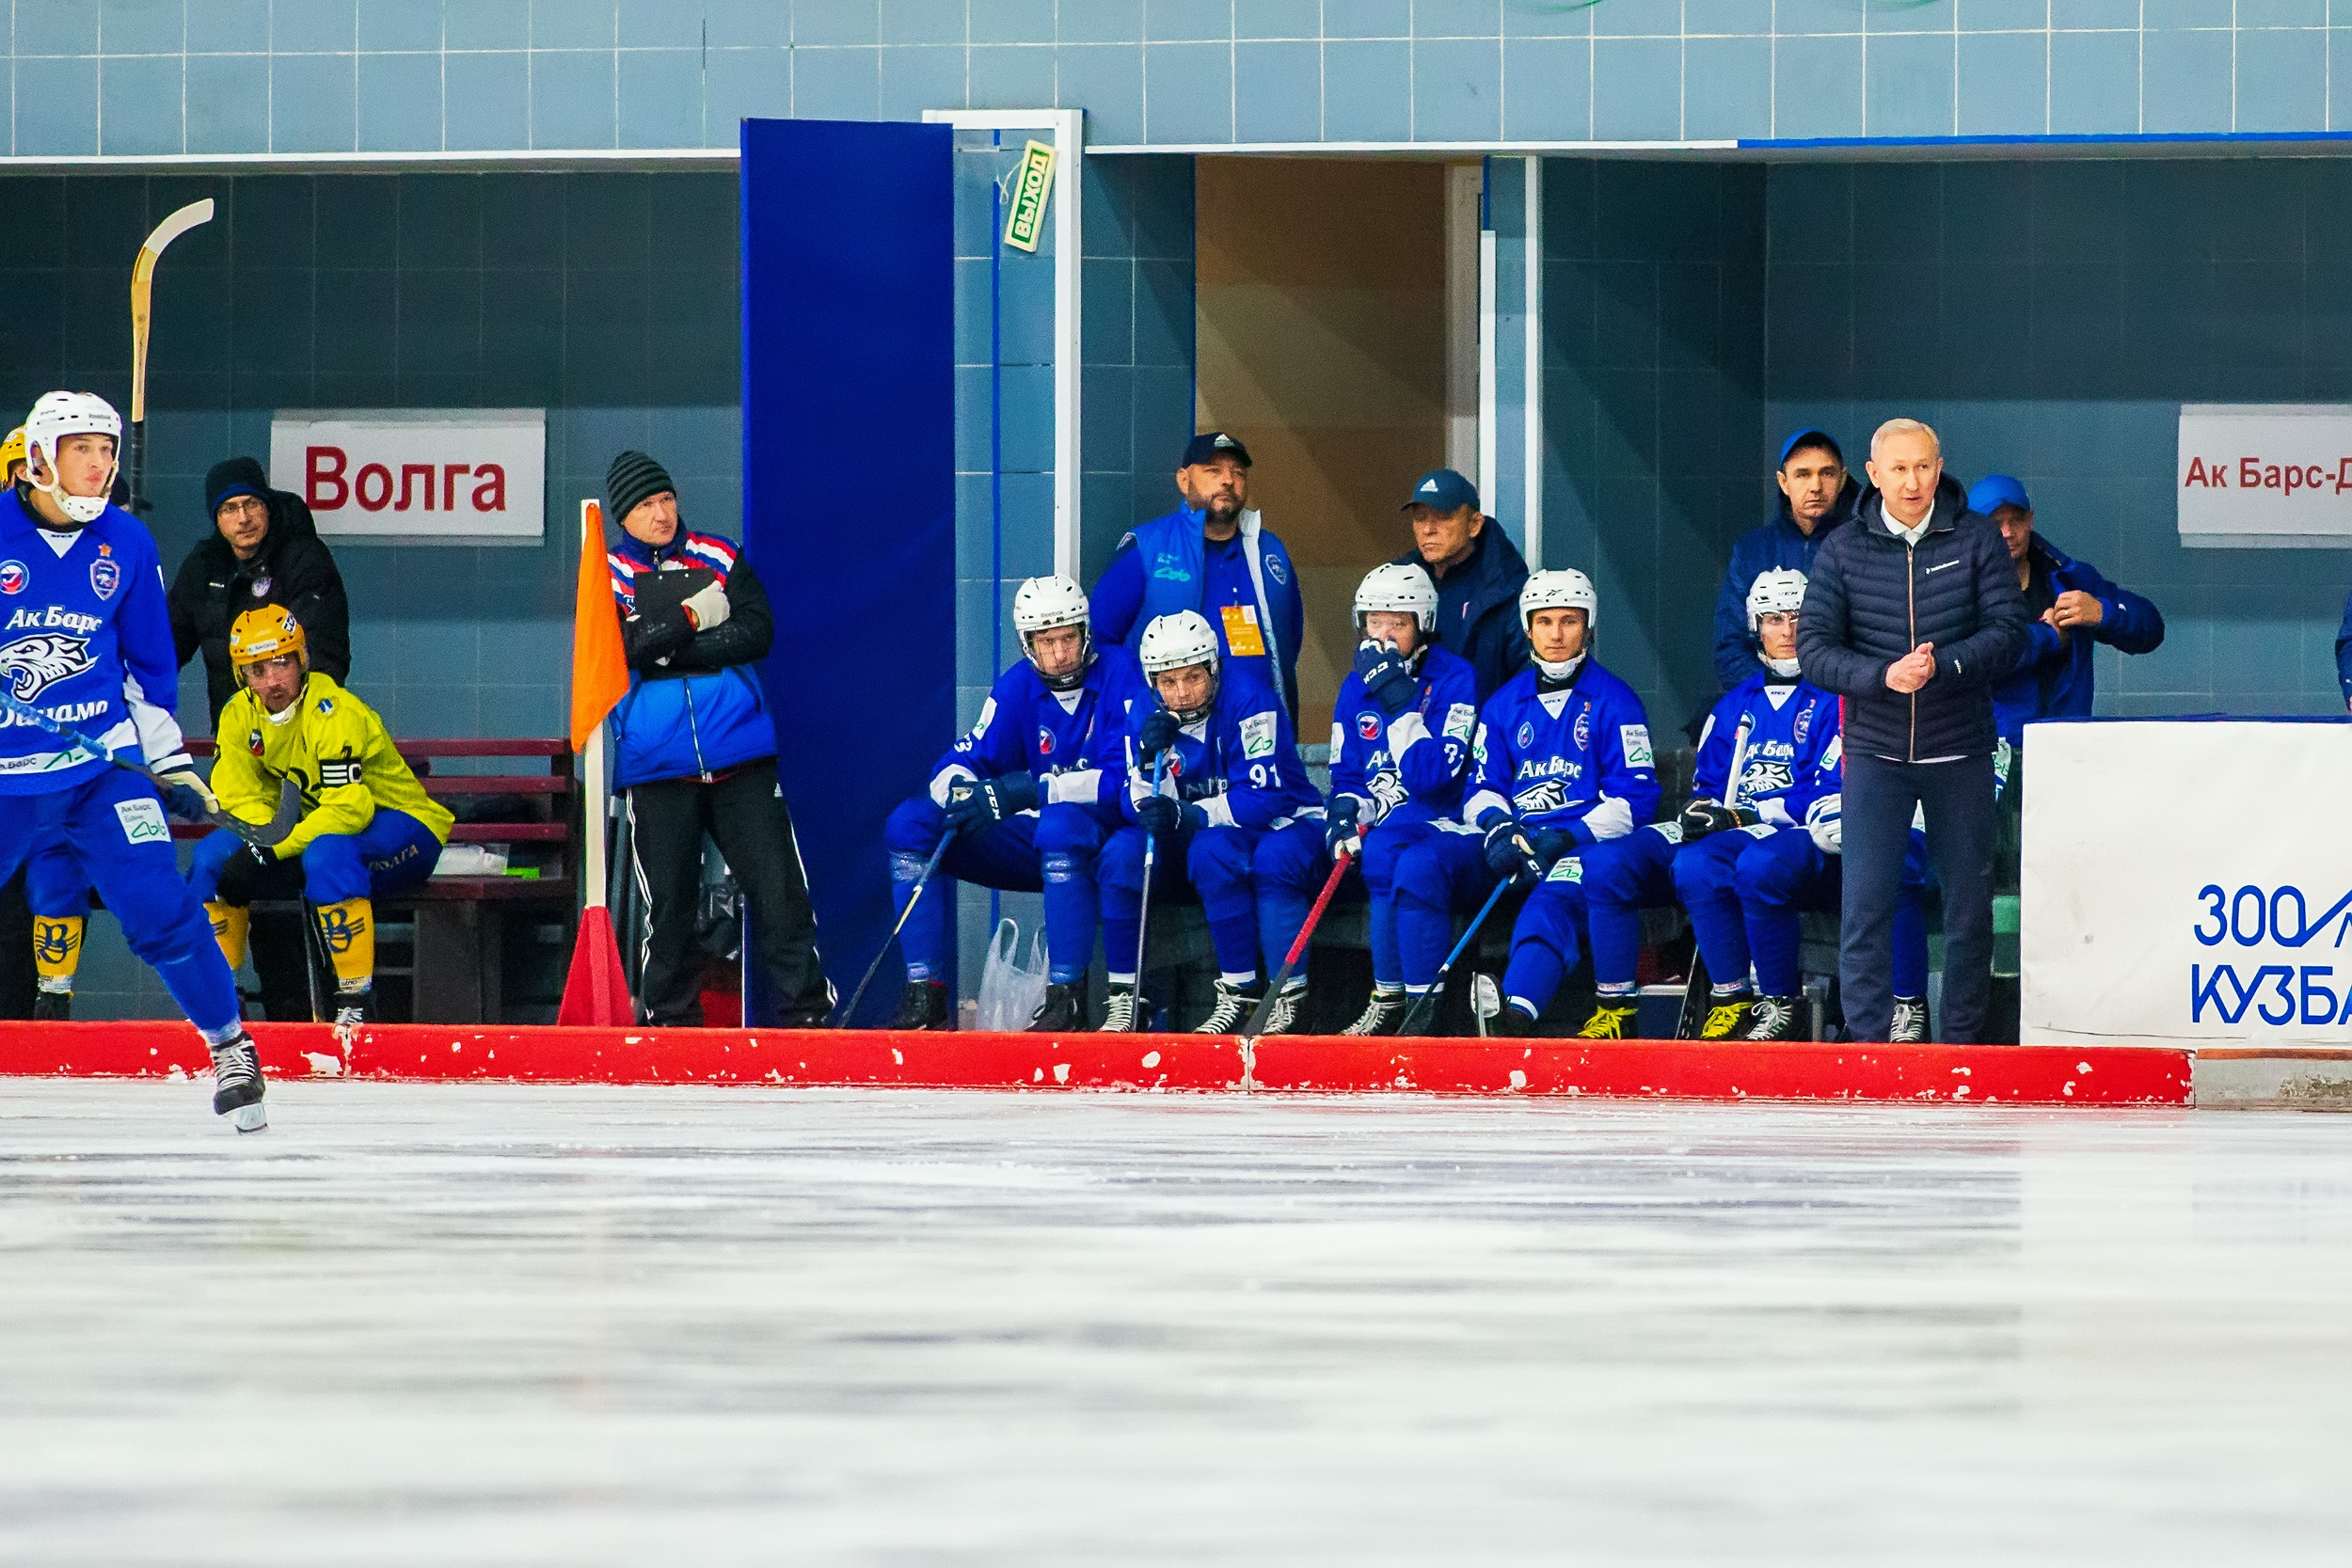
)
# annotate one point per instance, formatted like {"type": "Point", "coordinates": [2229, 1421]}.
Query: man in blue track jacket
{"type": "Point", "coordinates": [1816, 497]}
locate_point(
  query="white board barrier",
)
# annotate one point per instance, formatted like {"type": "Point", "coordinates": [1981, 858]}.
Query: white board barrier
{"type": "Point", "coordinates": [2187, 881]}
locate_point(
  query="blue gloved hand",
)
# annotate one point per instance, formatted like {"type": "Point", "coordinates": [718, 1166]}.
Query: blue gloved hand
{"type": "Point", "coordinates": [1509, 856]}
{"type": "Point", "coordinates": [1388, 677]}
{"type": "Point", "coordinates": [1550, 844]}
{"type": "Point", "coordinates": [985, 803]}
{"type": "Point", "coordinates": [1165, 815]}
{"type": "Point", "coordinates": [1158, 733]}
{"type": "Point", "coordinates": [1339, 826]}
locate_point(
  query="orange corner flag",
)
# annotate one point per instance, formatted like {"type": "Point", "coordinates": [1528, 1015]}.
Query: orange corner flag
{"type": "Point", "coordinates": [600, 668]}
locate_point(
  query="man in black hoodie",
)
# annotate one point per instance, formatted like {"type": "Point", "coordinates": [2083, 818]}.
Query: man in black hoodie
{"type": "Point", "coordinates": [263, 549]}
{"type": "Point", "coordinates": [1911, 615]}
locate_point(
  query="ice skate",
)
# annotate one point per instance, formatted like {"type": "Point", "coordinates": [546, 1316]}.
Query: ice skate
{"type": "Point", "coordinates": [1233, 1006]}
{"type": "Point", "coordinates": [1774, 1018]}
{"type": "Point", "coordinates": [52, 1006]}
{"type": "Point", "coordinates": [1611, 1021]}
{"type": "Point", "coordinates": [1062, 1013]}
{"type": "Point", "coordinates": [237, 1083]}
{"type": "Point", "coordinates": [1726, 1016]}
{"type": "Point", "coordinates": [1118, 1011]}
{"type": "Point", "coordinates": [1910, 1025]}
{"type": "Point", "coordinates": [1381, 1014]}
{"type": "Point", "coordinates": [354, 1010]}
{"type": "Point", "coordinates": [1283, 1017]}
{"type": "Point", "coordinates": [922, 1005]}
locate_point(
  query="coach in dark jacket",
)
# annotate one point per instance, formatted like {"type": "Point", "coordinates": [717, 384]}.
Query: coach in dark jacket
{"type": "Point", "coordinates": [263, 549]}
{"type": "Point", "coordinates": [1479, 574]}
{"type": "Point", "coordinates": [1911, 615]}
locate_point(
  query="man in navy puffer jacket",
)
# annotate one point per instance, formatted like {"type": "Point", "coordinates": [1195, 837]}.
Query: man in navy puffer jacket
{"type": "Point", "coordinates": [1912, 614]}
{"type": "Point", "coordinates": [697, 752]}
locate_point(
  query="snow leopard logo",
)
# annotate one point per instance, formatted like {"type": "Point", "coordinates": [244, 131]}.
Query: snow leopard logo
{"type": "Point", "coordinates": [1540, 797]}
{"type": "Point", "coordinates": [34, 664]}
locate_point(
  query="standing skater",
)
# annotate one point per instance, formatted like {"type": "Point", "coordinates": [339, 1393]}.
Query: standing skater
{"type": "Point", "coordinates": [89, 643]}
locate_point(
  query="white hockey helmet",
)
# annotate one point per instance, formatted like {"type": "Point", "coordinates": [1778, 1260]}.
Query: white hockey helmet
{"type": "Point", "coordinates": [1567, 589]}
{"type": "Point", "coordinates": [1174, 642]}
{"type": "Point", "coordinates": [1041, 604]}
{"type": "Point", "coordinates": [57, 416]}
{"type": "Point", "coordinates": [1778, 590]}
{"type": "Point", "coordinates": [1400, 588]}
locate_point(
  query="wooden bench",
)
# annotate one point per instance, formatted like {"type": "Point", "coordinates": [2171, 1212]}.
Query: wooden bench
{"type": "Point", "coordinates": [456, 970]}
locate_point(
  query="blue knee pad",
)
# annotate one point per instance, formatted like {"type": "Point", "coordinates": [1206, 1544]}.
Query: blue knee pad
{"type": "Point", "coordinates": [912, 834]}
{"type": "Point", "coordinates": [1430, 879]}
{"type": "Point", "coordinates": [213, 851]}
{"type": "Point", "coordinates": [1402, 830]}
{"type": "Point", "coordinates": [1776, 877]}
{"type": "Point", "coordinates": [1070, 840]}
{"type": "Point", "coordinates": [1217, 861]}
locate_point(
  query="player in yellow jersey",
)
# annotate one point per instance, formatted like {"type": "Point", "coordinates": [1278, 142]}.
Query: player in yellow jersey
{"type": "Point", "coordinates": [369, 829]}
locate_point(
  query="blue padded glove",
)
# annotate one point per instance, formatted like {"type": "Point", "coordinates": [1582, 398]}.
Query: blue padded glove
{"type": "Point", "coordinates": [1339, 825]}
{"type": "Point", "coordinates": [1552, 842]}
{"type": "Point", "coordinates": [1158, 733]}
{"type": "Point", "coordinates": [1164, 817]}
{"type": "Point", "coordinates": [985, 803]}
{"type": "Point", "coordinates": [1388, 678]}
{"type": "Point", "coordinates": [1509, 856]}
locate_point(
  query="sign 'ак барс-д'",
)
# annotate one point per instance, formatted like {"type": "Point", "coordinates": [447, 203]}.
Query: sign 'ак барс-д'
{"type": "Point", "coordinates": [2265, 476]}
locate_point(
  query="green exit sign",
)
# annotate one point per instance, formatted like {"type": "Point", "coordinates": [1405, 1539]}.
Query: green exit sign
{"type": "Point", "coordinates": [1030, 193]}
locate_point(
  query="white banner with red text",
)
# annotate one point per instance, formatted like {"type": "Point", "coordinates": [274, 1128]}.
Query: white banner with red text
{"type": "Point", "coordinates": [402, 475]}
{"type": "Point", "coordinates": [2264, 476]}
{"type": "Point", "coordinates": [2186, 882]}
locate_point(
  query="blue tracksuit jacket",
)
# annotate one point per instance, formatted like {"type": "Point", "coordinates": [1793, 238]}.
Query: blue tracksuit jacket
{"type": "Point", "coordinates": [1168, 564]}
{"type": "Point", "coordinates": [1775, 545]}
{"type": "Point", "coordinates": [2052, 677]}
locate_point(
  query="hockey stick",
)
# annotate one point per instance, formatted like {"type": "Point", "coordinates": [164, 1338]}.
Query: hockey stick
{"type": "Point", "coordinates": [1405, 1025]}
{"type": "Point", "coordinates": [1298, 943]}
{"type": "Point", "coordinates": [142, 316]}
{"type": "Point", "coordinates": [262, 833]}
{"type": "Point", "coordinates": [920, 883]}
{"type": "Point", "coordinates": [1143, 910]}
{"type": "Point", "coordinates": [1699, 982]}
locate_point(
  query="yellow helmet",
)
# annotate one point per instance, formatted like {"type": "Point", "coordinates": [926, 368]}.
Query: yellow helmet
{"type": "Point", "coordinates": [12, 450]}
{"type": "Point", "coordinates": [269, 632]}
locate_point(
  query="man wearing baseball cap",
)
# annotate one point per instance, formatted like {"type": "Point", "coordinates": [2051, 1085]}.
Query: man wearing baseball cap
{"type": "Point", "coordinates": [1213, 556]}
{"type": "Point", "coordinates": [1816, 495]}
{"type": "Point", "coordinates": [1479, 574]}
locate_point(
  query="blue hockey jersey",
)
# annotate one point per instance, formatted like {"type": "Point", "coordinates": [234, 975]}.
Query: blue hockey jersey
{"type": "Point", "coordinates": [1422, 754]}
{"type": "Point", "coordinates": [1240, 764]}
{"type": "Point", "coordinates": [1074, 742]}
{"type": "Point", "coordinates": [1578, 758]}
{"type": "Point", "coordinates": [86, 638]}
{"type": "Point", "coordinates": [1789, 756]}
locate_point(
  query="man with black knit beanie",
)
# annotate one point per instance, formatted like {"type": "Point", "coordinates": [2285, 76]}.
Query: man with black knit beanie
{"type": "Point", "coordinates": [695, 752]}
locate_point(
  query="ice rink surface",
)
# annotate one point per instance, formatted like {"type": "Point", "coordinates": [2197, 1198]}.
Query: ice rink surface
{"type": "Point", "coordinates": [501, 1324]}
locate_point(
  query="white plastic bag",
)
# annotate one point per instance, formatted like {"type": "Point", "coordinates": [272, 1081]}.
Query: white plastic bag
{"type": "Point", "coordinates": [1011, 990]}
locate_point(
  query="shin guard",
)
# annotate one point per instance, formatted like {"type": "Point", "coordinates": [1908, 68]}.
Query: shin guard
{"type": "Point", "coordinates": [230, 922]}
{"type": "Point", "coordinates": [349, 928]}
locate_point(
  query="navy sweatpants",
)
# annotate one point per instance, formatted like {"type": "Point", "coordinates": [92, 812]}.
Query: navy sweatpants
{"type": "Point", "coordinates": [1963, 829]}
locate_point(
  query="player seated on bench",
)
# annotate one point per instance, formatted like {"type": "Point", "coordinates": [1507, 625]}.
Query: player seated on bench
{"type": "Point", "coordinates": [1561, 763]}
{"type": "Point", "coordinates": [1029, 794]}
{"type": "Point", "coordinates": [368, 829]}
{"type": "Point", "coordinates": [1213, 768]}
{"type": "Point", "coordinates": [1400, 753]}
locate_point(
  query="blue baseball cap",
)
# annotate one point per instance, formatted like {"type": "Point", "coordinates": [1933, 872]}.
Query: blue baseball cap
{"type": "Point", "coordinates": [1211, 445]}
{"type": "Point", "coordinates": [1811, 436]}
{"type": "Point", "coordinates": [1443, 489]}
{"type": "Point", "coordinates": [1996, 490]}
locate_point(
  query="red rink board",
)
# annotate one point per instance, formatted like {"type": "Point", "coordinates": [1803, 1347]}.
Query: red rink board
{"type": "Point", "coordinates": [1651, 1070]}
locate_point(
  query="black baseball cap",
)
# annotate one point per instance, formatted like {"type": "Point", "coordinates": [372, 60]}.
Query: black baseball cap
{"type": "Point", "coordinates": [1212, 444]}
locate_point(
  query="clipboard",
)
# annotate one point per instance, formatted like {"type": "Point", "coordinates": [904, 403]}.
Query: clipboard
{"type": "Point", "coordinates": [663, 590]}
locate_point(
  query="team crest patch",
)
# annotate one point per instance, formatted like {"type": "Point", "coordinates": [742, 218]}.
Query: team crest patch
{"type": "Point", "coordinates": [260, 586]}
{"type": "Point", "coordinates": [1802, 727]}
{"type": "Point", "coordinates": [1584, 731]}
{"type": "Point", "coordinates": [143, 821]}
{"type": "Point", "coordinates": [1044, 742]}
{"type": "Point", "coordinates": [1635, 739]}
{"type": "Point", "coordinates": [1567, 868]}
{"type": "Point", "coordinates": [327, 704]}
{"type": "Point", "coordinates": [1257, 735]}
{"type": "Point", "coordinates": [1526, 736]}
{"type": "Point", "coordinates": [12, 576]}
{"type": "Point", "coordinates": [1368, 725]}
{"type": "Point", "coordinates": [105, 578]}
{"type": "Point", "coordinates": [1275, 569]}
{"type": "Point", "coordinates": [253, 743]}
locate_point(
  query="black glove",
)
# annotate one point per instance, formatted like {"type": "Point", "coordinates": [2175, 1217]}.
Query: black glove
{"type": "Point", "coordinates": [1703, 817]}
{"type": "Point", "coordinates": [239, 873]}
{"type": "Point", "coordinates": [1164, 814]}
{"type": "Point", "coordinates": [1388, 678]}
{"type": "Point", "coordinates": [985, 803]}
{"type": "Point", "coordinates": [1159, 733]}
{"type": "Point", "coordinates": [1338, 823]}
{"type": "Point", "coordinates": [1509, 856]}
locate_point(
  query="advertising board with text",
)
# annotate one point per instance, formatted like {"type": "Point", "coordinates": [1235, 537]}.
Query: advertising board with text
{"type": "Point", "coordinates": [2264, 476]}
{"type": "Point", "coordinates": [404, 476]}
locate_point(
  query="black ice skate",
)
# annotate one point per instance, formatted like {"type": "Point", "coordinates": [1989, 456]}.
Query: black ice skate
{"type": "Point", "coordinates": [237, 1085]}
{"type": "Point", "coordinates": [1283, 1017]}
{"type": "Point", "coordinates": [922, 1005]}
{"type": "Point", "coordinates": [1381, 1014]}
{"type": "Point", "coordinates": [1727, 1017]}
{"type": "Point", "coordinates": [1121, 1014]}
{"type": "Point", "coordinates": [1062, 1013]}
{"type": "Point", "coordinates": [1910, 1025]}
{"type": "Point", "coordinates": [52, 1006]}
{"type": "Point", "coordinates": [1234, 1005]}
{"type": "Point", "coordinates": [1775, 1018]}
{"type": "Point", "coordinates": [354, 1011]}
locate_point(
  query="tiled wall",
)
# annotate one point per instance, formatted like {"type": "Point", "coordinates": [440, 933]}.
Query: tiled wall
{"type": "Point", "coordinates": [142, 77]}
{"type": "Point", "coordinates": [1653, 405]}
{"type": "Point", "coordinates": [1139, 305]}
{"type": "Point", "coordinates": [2049, 319]}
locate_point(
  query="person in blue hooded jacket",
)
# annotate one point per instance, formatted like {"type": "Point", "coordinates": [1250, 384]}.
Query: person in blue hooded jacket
{"type": "Point", "coordinates": [1478, 573]}
{"type": "Point", "coordinates": [2072, 606]}
{"type": "Point", "coordinates": [1030, 793]}
{"type": "Point", "coordinates": [695, 752]}
{"type": "Point", "coordinates": [1216, 558]}
{"type": "Point", "coordinates": [1816, 497]}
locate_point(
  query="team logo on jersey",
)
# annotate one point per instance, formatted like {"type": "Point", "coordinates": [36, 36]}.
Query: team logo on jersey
{"type": "Point", "coordinates": [327, 704]}
{"type": "Point", "coordinates": [12, 576]}
{"type": "Point", "coordinates": [34, 664]}
{"type": "Point", "coordinates": [260, 586]}
{"type": "Point", "coordinates": [1542, 796]}
{"type": "Point", "coordinates": [1526, 736]}
{"type": "Point", "coordinates": [143, 821]}
{"type": "Point", "coordinates": [1764, 778]}
{"type": "Point", "coordinates": [253, 743]}
{"type": "Point", "coordinates": [1257, 735]}
{"type": "Point", "coordinates": [1804, 726]}
{"type": "Point", "coordinates": [1044, 742]}
{"type": "Point", "coordinates": [1584, 731]}
{"type": "Point", "coordinates": [1275, 569]}
{"type": "Point", "coordinates": [105, 578]}
{"type": "Point", "coordinates": [1634, 740]}
{"type": "Point", "coordinates": [1368, 725]}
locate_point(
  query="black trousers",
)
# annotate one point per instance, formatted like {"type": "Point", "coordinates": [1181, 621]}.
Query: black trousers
{"type": "Point", "coordinates": [1964, 828]}
{"type": "Point", "coordinates": [745, 815]}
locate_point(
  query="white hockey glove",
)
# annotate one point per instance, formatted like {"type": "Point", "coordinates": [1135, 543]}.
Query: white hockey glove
{"type": "Point", "coordinates": [186, 795]}
{"type": "Point", "coordinates": [1826, 819]}
{"type": "Point", "coordinates": [708, 607]}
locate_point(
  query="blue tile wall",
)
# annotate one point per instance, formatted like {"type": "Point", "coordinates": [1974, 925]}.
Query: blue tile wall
{"type": "Point", "coordinates": [548, 75]}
